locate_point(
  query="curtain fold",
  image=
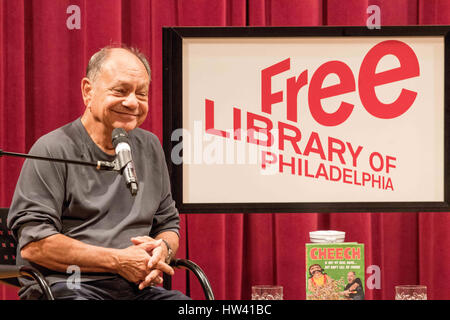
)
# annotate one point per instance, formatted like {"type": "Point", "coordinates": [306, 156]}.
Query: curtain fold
{"type": "Point", "coordinates": [285, 13]}
{"type": "Point", "coordinates": [43, 58]}
{"type": "Point", "coordinates": [434, 253]}
{"type": "Point", "coordinates": [434, 12]}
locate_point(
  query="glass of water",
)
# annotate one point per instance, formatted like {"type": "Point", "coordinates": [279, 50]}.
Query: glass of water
{"type": "Point", "coordinates": [267, 292]}
{"type": "Point", "coordinates": [411, 292]}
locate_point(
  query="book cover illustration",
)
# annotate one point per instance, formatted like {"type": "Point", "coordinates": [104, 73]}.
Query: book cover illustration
{"type": "Point", "coordinates": [335, 271]}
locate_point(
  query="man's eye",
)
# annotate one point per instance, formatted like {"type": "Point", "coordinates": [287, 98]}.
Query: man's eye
{"type": "Point", "coordinates": [143, 94]}
{"type": "Point", "coordinates": [119, 90]}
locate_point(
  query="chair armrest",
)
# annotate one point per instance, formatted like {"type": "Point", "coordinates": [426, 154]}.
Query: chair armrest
{"type": "Point", "coordinates": [12, 271]}
{"type": "Point", "coordinates": [201, 276]}
{"type": "Point", "coordinates": [9, 271]}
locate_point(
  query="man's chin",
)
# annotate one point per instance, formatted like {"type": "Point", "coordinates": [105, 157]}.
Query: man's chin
{"type": "Point", "coordinates": [127, 126]}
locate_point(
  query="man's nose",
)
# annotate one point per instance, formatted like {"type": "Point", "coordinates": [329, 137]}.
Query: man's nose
{"type": "Point", "coordinates": [131, 101]}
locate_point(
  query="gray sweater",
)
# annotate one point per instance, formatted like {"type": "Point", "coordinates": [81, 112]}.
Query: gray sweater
{"type": "Point", "coordinates": [89, 205]}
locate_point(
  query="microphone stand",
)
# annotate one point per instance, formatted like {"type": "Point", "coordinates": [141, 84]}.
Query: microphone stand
{"type": "Point", "coordinates": [99, 165]}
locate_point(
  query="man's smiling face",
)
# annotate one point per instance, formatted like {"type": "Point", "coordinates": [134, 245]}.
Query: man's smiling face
{"type": "Point", "coordinates": [119, 92]}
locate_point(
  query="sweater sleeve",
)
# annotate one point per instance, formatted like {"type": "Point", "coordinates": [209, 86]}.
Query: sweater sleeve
{"type": "Point", "coordinates": [167, 216]}
{"type": "Point", "coordinates": [35, 211]}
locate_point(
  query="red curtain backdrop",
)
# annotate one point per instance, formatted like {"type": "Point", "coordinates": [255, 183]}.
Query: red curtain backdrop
{"type": "Point", "coordinates": [42, 62]}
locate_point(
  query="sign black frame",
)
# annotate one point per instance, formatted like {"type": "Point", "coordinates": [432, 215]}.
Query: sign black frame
{"type": "Point", "coordinates": [172, 114]}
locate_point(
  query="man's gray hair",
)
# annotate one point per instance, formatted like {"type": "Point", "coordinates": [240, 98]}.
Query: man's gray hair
{"type": "Point", "coordinates": [98, 58]}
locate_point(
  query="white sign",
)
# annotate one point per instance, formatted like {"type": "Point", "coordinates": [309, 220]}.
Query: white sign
{"type": "Point", "coordinates": [312, 119]}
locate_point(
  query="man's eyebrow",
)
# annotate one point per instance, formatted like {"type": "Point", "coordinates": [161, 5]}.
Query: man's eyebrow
{"type": "Point", "coordinates": [127, 84]}
{"type": "Point", "coordinates": [116, 83]}
{"type": "Point", "coordinates": [143, 86]}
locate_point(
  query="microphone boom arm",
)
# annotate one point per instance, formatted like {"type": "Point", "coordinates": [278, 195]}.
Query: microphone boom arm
{"type": "Point", "coordinates": [99, 165]}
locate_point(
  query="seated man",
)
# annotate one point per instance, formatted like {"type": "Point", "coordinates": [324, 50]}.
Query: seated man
{"type": "Point", "coordinates": [71, 216]}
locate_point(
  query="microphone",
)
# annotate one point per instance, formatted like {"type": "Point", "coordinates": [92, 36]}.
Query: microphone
{"type": "Point", "coordinates": [126, 165]}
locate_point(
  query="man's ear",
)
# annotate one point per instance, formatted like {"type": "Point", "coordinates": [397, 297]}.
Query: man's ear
{"type": "Point", "coordinates": [86, 90]}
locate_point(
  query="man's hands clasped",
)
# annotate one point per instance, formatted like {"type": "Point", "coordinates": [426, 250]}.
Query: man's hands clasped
{"type": "Point", "coordinates": [144, 261]}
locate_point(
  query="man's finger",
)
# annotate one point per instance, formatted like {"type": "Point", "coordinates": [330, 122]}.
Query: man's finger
{"type": "Point", "coordinates": [158, 280]}
{"type": "Point", "coordinates": [141, 239]}
{"type": "Point", "coordinates": [149, 246]}
{"type": "Point", "coordinates": [164, 267]}
{"type": "Point", "coordinates": [156, 262]}
{"type": "Point", "coordinates": [156, 257]}
{"type": "Point", "coordinates": [161, 265]}
{"type": "Point", "coordinates": [149, 278]}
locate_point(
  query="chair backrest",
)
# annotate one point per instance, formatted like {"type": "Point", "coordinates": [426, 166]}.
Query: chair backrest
{"type": "Point", "coordinates": [7, 242]}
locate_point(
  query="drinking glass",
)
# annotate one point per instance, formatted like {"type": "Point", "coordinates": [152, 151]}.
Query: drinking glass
{"type": "Point", "coordinates": [411, 292]}
{"type": "Point", "coordinates": [267, 292]}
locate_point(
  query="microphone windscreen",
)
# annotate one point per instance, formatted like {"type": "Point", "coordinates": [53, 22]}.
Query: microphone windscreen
{"type": "Point", "coordinates": [119, 135]}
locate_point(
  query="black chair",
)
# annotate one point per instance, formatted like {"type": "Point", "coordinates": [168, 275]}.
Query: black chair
{"type": "Point", "coordinates": [9, 271]}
